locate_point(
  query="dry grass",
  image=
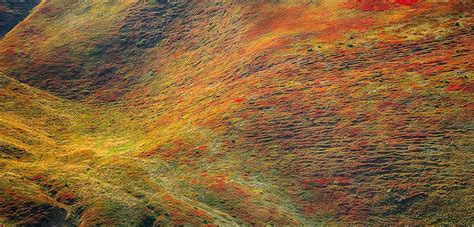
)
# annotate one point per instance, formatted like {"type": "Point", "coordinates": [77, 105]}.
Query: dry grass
{"type": "Point", "coordinates": [263, 113]}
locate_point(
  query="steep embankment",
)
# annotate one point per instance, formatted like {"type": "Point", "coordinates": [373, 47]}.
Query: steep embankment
{"type": "Point", "coordinates": [351, 112]}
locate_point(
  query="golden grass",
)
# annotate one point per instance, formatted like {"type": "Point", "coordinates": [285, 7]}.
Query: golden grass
{"type": "Point", "coordinates": [257, 113]}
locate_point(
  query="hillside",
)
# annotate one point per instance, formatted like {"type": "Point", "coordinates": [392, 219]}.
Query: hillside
{"type": "Point", "coordinates": [233, 113]}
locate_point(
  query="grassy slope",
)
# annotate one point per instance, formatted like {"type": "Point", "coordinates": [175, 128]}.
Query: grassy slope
{"type": "Point", "coordinates": [232, 113]}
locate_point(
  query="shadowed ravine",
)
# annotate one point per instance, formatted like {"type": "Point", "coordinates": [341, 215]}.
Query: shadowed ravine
{"type": "Point", "coordinates": [13, 12]}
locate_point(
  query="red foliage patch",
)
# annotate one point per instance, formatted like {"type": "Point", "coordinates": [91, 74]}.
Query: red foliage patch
{"type": "Point", "coordinates": [355, 130]}
{"type": "Point", "coordinates": [318, 113]}
{"type": "Point", "coordinates": [203, 147]}
{"type": "Point", "coordinates": [380, 5]}
{"type": "Point", "coordinates": [406, 2]}
{"type": "Point", "coordinates": [309, 210]}
{"type": "Point", "coordinates": [172, 200]}
{"type": "Point", "coordinates": [38, 177]}
{"type": "Point", "coordinates": [199, 213]}
{"type": "Point", "coordinates": [468, 88]}
{"type": "Point", "coordinates": [454, 87]}
{"type": "Point", "coordinates": [147, 154]}
{"type": "Point", "coordinates": [388, 104]}
{"type": "Point", "coordinates": [66, 197]}
{"type": "Point", "coordinates": [371, 5]}
{"type": "Point", "coordinates": [238, 100]}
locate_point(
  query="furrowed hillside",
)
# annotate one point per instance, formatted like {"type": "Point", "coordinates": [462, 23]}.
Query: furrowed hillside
{"type": "Point", "coordinates": [232, 113]}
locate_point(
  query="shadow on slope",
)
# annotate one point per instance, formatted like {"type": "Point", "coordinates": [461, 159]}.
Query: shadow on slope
{"type": "Point", "coordinates": [13, 12]}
